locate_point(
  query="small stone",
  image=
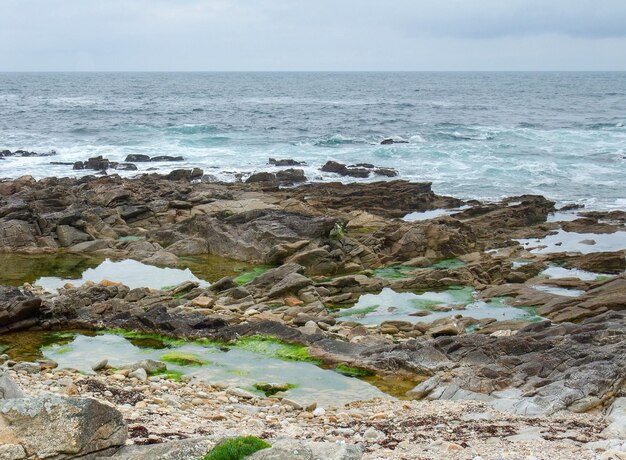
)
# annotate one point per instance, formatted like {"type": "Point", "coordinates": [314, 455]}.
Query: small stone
{"type": "Point", "coordinates": [203, 302]}
{"type": "Point", "coordinates": [319, 412]}
{"type": "Point", "coordinates": [100, 365]}
{"type": "Point", "coordinates": [140, 374]}
{"type": "Point", "coordinates": [373, 435]}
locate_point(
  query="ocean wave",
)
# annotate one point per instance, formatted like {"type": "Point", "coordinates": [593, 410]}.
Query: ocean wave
{"type": "Point", "coordinates": [338, 140]}
{"type": "Point", "coordinates": [192, 129]}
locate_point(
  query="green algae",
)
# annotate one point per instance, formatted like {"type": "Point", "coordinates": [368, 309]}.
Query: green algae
{"type": "Point", "coordinates": [236, 448]}
{"type": "Point", "coordinates": [270, 389]}
{"type": "Point", "coordinates": [276, 348]}
{"type": "Point", "coordinates": [249, 275]}
{"type": "Point", "coordinates": [174, 376]}
{"type": "Point", "coordinates": [353, 371]}
{"type": "Point", "coordinates": [183, 359]}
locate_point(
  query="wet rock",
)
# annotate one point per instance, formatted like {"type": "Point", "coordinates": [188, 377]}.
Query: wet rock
{"type": "Point", "coordinates": [167, 158]}
{"type": "Point", "coordinates": [390, 141]}
{"type": "Point", "coordinates": [285, 162]}
{"type": "Point", "coordinates": [29, 368]}
{"type": "Point", "coordinates": [136, 158]}
{"type": "Point", "coordinates": [185, 174]}
{"type": "Point", "coordinates": [54, 427]}
{"type": "Point", "coordinates": [264, 177]}
{"type": "Point", "coordinates": [126, 167]}
{"type": "Point", "coordinates": [291, 176]}
{"type": "Point", "coordinates": [343, 170]}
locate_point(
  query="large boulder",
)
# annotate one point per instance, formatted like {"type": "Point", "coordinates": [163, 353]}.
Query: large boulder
{"type": "Point", "coordinates": [55, 427]}
{"type": "Point", "coordinates": [17, 310]}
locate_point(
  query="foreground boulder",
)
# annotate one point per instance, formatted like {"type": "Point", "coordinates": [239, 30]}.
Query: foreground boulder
{"type": "Point", "coordinates": [55, 427]}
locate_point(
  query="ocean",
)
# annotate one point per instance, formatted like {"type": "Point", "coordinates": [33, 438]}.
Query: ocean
{"type": "Point", "coordinates": [474, 135]}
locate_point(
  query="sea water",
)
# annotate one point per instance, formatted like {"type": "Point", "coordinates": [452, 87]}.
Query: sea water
{"type": "Point", "coordinates": [477, 135]}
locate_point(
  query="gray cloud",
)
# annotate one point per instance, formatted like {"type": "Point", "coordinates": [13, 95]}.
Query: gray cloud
{"type": "Point", "coordinates": [308, 35]}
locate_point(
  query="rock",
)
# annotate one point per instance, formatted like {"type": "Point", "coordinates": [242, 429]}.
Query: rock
{"type": "Point", "coordinates": [292, 449]}
{"type": "Point", "coordinates": [100, 365]}
{"type": "Point", "coordinates": [390, 141]}
{"type": "Point", "coordinates": [126, 167]}
{"type": "Point", "coordinates": [240, 393]}
{"type": "Point", "coordinates": [599, 262]}
{"type": "Point", "coordinates": [184, 174]}
{"type": "Point", "coordinates": [139, 374]}
{"type": "Point", "coordinates": [162, 258]}
{"type": "Point", "coordinates": [185, 449]}
{"type": "Point", "coordinates": [167, 158]}
{"type": "Point", "coordinates": [149, 365]}
{"type": "Point", "coordinates": [291, 176]}
{"type": "Point", "coordinates": [293, 282]}
{"type": "Point", "coordinates": [8, 388]}
{"type": "Point", "coordinates": [68, 235]}
{"type": "Point", "coordinates": [189, 247]}
{"type": "Point", "coordinates": [137, 158]}
{"type": "Point", "coordinates": [616, 416]}
{"type": "Point", "coordinates": [319, 412]}
{"type": "Point", "coordinates": [17, 310]}
{"type": "Point", "coordinates": [343, 170]}
{"type": "Point", "coordinates": [373, 435]}
{"type": "Point", "coordinates": [55, 427]}
{"type": "Point", "coordinates": [203, 302]}
{"type": "Point", "coordinates": [261, 177]}
{"type": "Point", "coordinates": [287, 162]}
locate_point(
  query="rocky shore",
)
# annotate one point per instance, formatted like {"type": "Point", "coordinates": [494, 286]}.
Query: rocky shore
{"type": "Point", "coordinates": [547, 381]}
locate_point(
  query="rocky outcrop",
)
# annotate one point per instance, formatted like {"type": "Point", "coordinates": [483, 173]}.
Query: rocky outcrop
{"type": "Point", "coordinates": [252, 235]}
{"type": "Point", "coordinates": [361, 170]}
{"type": "Point", "coordinates": [55, 427]}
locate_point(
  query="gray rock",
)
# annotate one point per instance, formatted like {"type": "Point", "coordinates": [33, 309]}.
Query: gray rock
{"type": "Point", "coordinates": [55, 427]}
{"type": "Point", "coordinates": [149, 365]}
{"type": "Point", "coordinates": [8, 388]}
{"type": "Point", "coordinates": [69, 235]}
{"type": "Point", "coordinates": [17, 310]}
{"type": "Point", "coordinates": [295, 449]}
{"type": "Point", "coordinates": [140, 374]}
{"type": "Point", "coordinates": [290, 283]}
{"type": "Point", "coordinates": [100, 365]}
{"type": "Point", "coordinates": [185, 449]}
{"type": "Point", "coordinates": [29, 368]}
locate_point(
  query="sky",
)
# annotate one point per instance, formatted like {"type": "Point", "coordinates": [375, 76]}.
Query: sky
{"type": "Point", "coordinates": [300, 35]}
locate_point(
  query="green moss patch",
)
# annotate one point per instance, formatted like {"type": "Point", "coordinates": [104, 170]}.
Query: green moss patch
{"type": "Point", "coordinates": [183, 359]}
{"type": "Point", "coordinates": [275, 348]}
{"type": "Point", "coordinates": [249, 275]}
{"type": "Point", "coordinates": [270, 389]}
{"type": "Point", "coordinates": [236, 448]}
{"type": "Point", "coordinates": [353, 371]}
{"type": "Point", "coordinates": [170, 375]}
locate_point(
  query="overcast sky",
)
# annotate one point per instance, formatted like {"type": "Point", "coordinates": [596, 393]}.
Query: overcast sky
{"type": "Point", "coordinates": [312, 35]}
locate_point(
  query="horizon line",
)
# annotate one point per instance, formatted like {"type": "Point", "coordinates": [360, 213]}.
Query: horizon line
{"type": "Point", "coordinates": [315, 71]}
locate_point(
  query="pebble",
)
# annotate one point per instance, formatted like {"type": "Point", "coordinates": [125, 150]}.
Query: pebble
{"type": "Point", "coordinates": [319, 412]}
